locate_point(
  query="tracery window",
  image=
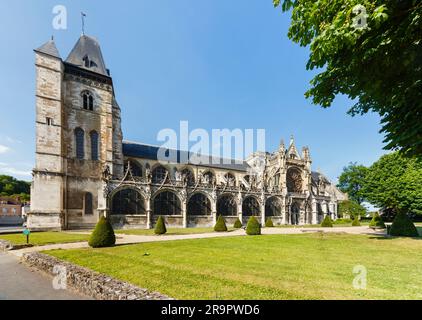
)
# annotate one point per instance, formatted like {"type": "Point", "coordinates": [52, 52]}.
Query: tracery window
{"type": "Point", "coordinates": [159, 174]}
{"type": "Point", "coordinates": [294, 180]}
{"type": "Point", "coordinates": [199, 205]}
{"type": "Point", "coordinates": [250, 207]}
{"type": "Point", "coordinates": [227, 206]}
{"type": "Point", "coordinates": [167, 204]}
{"type": "Point", "coordinates": [128, 202]}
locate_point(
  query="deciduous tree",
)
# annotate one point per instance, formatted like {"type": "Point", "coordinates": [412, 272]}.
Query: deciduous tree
{"type": "Point", "coordinates": [371, 51]}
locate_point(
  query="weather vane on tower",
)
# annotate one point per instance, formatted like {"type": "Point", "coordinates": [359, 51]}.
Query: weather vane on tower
{"type": "Point", "coordinates": [83, 16]}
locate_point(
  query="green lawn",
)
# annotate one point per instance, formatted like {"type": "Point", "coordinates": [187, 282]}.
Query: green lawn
{"type": "Point", "coordinates": [43, 238]}
{"type": "Point", "coordinates": [308, 266]}
{"type": "Point", "coordinates": [170, 231]}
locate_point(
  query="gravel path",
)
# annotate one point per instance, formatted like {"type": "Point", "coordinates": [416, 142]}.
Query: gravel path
{"type": "Point", "coordinates": [133, 239]}
{"type": "Point", "coordinates": [18, 282]}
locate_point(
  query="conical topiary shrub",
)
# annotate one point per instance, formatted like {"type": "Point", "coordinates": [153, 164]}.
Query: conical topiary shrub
{"type": "Point", "coordinates": [327, 223]}
{"type": "Point", "coordinates": [356, 222]}
{"type": "Point", "coordinates": [220, 226]}
{"type": "Point", "coordinates": [377, 222]}
{"type": "Point", "coordinates": [403, 227]}
{"type": "Point", "coordinates": [238, 224]}
{"type": "Point", "coordinates": [269, 223]}
{"type": "Point", "coordinates": [253, 227]}
{"type": "Point", "coordinates": [103, 235]}
{"type": "Point", "coordinates": [160, 227]}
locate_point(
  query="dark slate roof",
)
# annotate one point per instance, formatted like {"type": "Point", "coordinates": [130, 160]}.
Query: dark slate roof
{"type": "Point", "coordinates": [88, 47]}
{"type": "Point", "coordinates": [50, 49]}
{"type": "Point", "coordinates": [316, 176]}
{"type": "Point", "coordinates": [138, 150]}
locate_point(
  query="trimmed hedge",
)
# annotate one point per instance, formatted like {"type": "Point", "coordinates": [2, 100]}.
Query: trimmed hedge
{"type": "Point", "coordinates": [220, 226]}
{"type": "Point", "coordinates": [238, 224]}
{"type": "Point", "coordinates": [403, 227]}
{"type": "Point", "coordinates": [377, 222]}
{"type": "Point", "coordinates": [327, 222]}
{"type": "Point", "coordinates": [356, 222]}
{"type": "Point", "coordinates": [269, 223]}
{"type": "Point", "coordinates": [253, 228]}
{"type": "Point", "coordinates": [103, 235]}
{"type": "Point", "coordinates": [160, 227]}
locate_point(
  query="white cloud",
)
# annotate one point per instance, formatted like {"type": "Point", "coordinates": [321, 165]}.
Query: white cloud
{"type": "Point", "coordinates": [4, 149]}
{"type": "Point", "coordinates": [12, 140]}
{"type": "Point", "coordinates": [8, 170]}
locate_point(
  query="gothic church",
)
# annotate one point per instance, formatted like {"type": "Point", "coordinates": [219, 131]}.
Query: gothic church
{"type": "Point", "coordinates": [84, 169]}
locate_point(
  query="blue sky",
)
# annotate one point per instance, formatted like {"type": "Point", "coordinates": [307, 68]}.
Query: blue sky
{"type": "Point", "coordinates": [217, 64]}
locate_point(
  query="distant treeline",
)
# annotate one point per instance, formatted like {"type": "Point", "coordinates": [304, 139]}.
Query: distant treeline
{"type": "Point", "coordinates": [10, 186]}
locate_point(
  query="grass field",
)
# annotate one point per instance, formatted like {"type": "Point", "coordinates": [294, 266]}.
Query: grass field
{"type": "Point", "coordinates": [43, 238]}
{"type": "Point", "coordinates": [309, 266]}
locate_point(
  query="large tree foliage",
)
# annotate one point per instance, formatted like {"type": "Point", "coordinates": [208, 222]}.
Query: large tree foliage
{"type": "Point", "coordinates": [351, 181]}
{"type": "Point", "coordinates": [371, 51]}
{"type": "Point", "coordinates": [351, 209]}
{"type": "Point", "coordinates": [395, 182]}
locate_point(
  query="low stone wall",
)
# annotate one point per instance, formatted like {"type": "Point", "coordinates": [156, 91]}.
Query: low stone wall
{"type": "Point", "coordinates": [5, 245]}
{"type": "Point", "coordinates": [90, 283]}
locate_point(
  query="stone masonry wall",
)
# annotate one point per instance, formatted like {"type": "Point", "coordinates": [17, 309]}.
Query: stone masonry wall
{"type": "Point", "coordinates": [90, 283]}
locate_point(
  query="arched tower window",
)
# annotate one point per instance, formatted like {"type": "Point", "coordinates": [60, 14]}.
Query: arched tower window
{"type": "Point", "coordinates": [88, 101]}
{"type": "Point", "coordinates": [94, 145]}
{"type": "Point", "coordinates": [79, 143]}
{"type": "Point", "coordinates": [88, 204]}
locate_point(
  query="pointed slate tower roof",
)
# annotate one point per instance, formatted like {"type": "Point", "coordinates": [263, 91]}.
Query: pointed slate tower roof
{"type": "Point", "coordinates": [292, 149]}
{"type": "Point", "coordinates": [50, 49]}
{"type": "Point", "coordinates": [87, 55]}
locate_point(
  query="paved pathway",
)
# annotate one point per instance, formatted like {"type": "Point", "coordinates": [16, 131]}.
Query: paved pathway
{"type": "Point", "coordinates": [18, 282]}
{"type": "Point", "coordinates": [133, 239]}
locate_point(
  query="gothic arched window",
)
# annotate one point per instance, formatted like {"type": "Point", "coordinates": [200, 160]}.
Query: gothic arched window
{"type": "Point", "coordinates": [79, 143]}
{"type": "Point", "coordinates": [128, 202]}
{"type": "Point", "coordinates": [88, 204]}
{"type": "Point", "coordinates": [189, 177]}
{"type": "Point", "coordinates": [88, 101]}
{"type": "Point", "coordinates": [294, 180]}
{"type": "Point", "coordinates": [199, 205]}
{"type": "Point", "coordinates": [226, 205]}
{"type": "Point", "coordinates": [159, 174]}
{"type": "Point", "coordinates": [208, 178]}
{"type": "Point", "coordinates": [250, 207]}
{"type": "Point", "coordinates": [167, 204]}
{"type": "Point", "coordinates": [94, 145]}
{"type": "Point", "coordinates": [230, 179]}
{"type": "Point", "coordinates": [135, 168]}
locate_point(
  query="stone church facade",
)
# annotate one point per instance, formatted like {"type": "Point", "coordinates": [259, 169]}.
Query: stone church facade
{"type": "Point", "coordinates": [84, 169]}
